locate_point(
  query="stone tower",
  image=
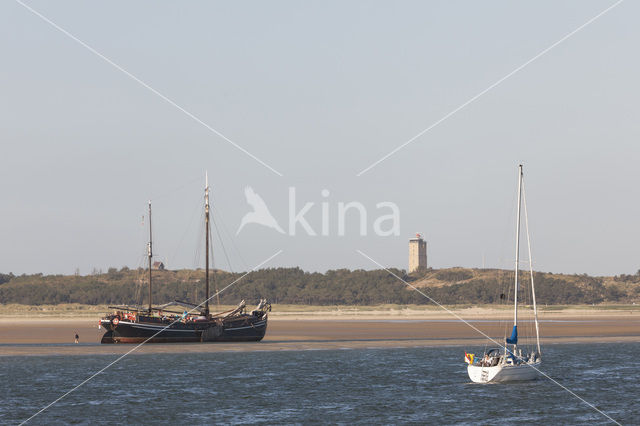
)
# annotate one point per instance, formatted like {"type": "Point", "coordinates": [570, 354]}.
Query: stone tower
{"type": "Point", "coordinates": [417, 253]}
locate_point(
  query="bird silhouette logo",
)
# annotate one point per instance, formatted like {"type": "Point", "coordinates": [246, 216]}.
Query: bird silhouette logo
{"type": "Point", "coordinates": [260, 214]}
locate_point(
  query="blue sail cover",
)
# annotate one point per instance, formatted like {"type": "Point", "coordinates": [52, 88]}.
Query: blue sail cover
{"type": "Point", "coordinates": [514, 336]}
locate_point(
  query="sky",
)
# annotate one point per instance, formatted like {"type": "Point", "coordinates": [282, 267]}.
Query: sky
{"type": "Point", "coordinates": [318, 91]}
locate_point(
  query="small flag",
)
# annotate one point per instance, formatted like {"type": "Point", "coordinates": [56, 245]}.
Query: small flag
{"type": "Point", "coordinates": [468, 358]}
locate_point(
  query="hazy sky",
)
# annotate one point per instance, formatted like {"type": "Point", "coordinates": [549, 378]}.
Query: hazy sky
{"type": "Point", "coordinates": [319, 91]}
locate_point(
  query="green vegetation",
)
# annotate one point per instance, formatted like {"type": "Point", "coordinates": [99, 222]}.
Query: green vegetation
{"type": "Point", "coordinates": [336, 287]}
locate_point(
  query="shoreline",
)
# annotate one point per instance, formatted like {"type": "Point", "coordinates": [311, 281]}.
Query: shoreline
{"type": "Point", "coordinates": [69, 349]}
{"type": "Point", "coordinates": [50, 335]}
{"type": "Point", "coordinates": [26, 313]}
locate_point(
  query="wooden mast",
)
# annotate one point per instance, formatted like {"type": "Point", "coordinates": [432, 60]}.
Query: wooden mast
{"type": "Point", "coordinates": [150, 255]}
{"type": "Point", "coordinates": [206, 231]}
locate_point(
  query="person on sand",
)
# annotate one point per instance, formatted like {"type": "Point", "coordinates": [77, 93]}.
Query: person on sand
{"type": "Point", "coordinates": [77, 338]}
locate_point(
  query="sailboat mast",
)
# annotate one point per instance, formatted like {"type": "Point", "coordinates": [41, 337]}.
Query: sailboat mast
{"type": "Point", "coordinates": [515, 309]}
{"type": "Point", "coordinates": [206, 231]}
{"type": "Point", "coordinates": [533, 287]}
{"type": "Point", "coordinates": [150, 255]}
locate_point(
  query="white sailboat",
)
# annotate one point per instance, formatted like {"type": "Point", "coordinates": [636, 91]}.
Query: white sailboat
{"type": "Point", "coordinates": [509, 362]}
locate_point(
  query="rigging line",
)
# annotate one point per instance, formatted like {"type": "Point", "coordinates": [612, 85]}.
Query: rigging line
{"type": "Point", "coordinates": [193, 215]}
{"type": "Point", "coordinates": [138, 277]}
{"type": "Point", "coordinates": [497, 327]}
{"type": "Point", "coordinates": [485, 335]}
{"type": "Point", "coordinates": [533, 293]}
{"type": "Point", "coordinates": [199, 243]}
{"type": "Point", "coordinates": [507, 274]}
{"type": "Point", "coordinates": [505, 263]}
{"type": "Point", "coordinates": [224, 250]}
{"type": "Point", "coordinates": [140, 345]}
{"type": "Point", "coordinates": [231, 237]}
{"type": "Point", "coordinates": [507, 285]}
{"type": "Point", "coordinates": [215, 282]}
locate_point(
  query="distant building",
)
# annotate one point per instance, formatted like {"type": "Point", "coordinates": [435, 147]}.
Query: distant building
{"type": "Point", "coordinates": [417, 253]}
{"type": "Point", "coordinates": [158, 265]}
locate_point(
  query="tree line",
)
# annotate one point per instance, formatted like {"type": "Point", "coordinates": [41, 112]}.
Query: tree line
{"type": "Point", "coordinates": [295, 286]}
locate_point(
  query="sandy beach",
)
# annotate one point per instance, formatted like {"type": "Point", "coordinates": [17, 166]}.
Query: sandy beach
{"type": "Point", "coordinates": [347, 329]}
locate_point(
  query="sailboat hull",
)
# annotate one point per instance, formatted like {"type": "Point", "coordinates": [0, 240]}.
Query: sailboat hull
{"type": "Point", "coordinates": [503, 373]}
{"type": "Point", "coordinates": [248, 329]}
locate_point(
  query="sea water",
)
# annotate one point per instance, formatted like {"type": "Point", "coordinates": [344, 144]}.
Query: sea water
{"type": "Point", "coordinates": [380, 386]}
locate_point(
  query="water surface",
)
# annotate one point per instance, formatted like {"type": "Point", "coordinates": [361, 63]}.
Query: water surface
{"type": "Point", "coordinates": [382, 386]}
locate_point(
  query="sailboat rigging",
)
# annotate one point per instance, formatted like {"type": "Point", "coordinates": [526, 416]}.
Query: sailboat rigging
{"type": "Point", "coordinates": [509, 363]}
{"type": "Point", "coordinates": [161, 324]}
{"type": "Point", "coordinates": [150, 256]}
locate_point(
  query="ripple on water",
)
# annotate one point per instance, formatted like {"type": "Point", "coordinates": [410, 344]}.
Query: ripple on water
{"type": "Point", "coordinates": [414, 385]}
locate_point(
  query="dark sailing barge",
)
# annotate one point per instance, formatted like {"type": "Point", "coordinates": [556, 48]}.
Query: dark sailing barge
{"type": "Point", "coordinates": [134, 326]}
{"type": "Point", "coordinates": [160, 324]}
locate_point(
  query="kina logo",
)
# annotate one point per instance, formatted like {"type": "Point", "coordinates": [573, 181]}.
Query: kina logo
{"type": "Point", "coordinates": [260, 214]}
{"type": "Point", "coordinates": [352, 213]}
